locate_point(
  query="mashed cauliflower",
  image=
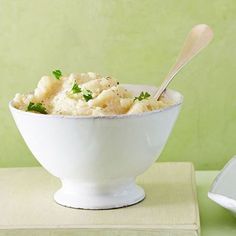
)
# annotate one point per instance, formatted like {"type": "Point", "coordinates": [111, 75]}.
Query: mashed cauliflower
{"type": "Point", "coordinates": [86, 94]}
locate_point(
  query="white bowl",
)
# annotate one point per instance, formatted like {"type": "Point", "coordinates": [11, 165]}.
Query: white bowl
{"type": "Point", "coordinates": [98, 158]}
{"type": "Point", "coordinates": [223, 190]}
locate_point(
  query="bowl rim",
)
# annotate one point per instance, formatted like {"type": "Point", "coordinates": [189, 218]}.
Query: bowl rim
{"type": "Point", "coordinates": [120, 116]}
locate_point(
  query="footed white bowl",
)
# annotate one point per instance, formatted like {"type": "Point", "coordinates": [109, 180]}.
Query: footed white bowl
{"type": "Point", "coordinates": [98, 158]}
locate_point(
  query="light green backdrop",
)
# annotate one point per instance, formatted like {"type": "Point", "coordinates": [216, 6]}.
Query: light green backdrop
{"type": "Point", "coordinates": [136, 41]}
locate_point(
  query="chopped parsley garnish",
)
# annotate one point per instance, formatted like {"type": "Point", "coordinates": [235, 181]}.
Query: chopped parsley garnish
{"type": "Point", "coordinates": [142, 96]}
{"type": "Point", "coordinates": [57, 74]}
{"type": "Point", "coordinates": [38, 107]}
{"type": "Point", "coordinates": [87, 94]}
{"type": "Point", "coordinates": [76, 88]}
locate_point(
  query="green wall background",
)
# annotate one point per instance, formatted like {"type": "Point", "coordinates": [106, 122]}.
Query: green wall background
{"type": "Point", "coordinates": [136, 41]}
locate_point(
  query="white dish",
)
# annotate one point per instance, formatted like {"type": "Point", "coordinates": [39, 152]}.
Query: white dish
{"type": "Point", "coordinates": [98, 158]}
{"type": "Point", "coordinates": [223, 189]}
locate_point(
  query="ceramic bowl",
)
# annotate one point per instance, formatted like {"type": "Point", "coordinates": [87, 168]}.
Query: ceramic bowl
{"type": "Point", "coordinates": [98, 158]}
{"type": "Point", "coordinates": [223, 190]}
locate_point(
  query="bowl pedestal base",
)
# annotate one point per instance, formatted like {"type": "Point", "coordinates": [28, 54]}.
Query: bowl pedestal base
{"type": "Point", "coordinates": [114, 194]}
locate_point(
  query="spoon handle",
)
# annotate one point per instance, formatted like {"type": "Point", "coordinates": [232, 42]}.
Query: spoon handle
{"type": "Point", "coordinates": [197, 39]}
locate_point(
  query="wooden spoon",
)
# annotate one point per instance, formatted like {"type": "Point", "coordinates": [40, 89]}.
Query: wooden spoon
{"type": "Point", "coordinates": [197, 39]}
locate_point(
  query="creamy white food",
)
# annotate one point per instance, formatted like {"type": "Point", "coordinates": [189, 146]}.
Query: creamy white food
{"type": "Point", "coordinates": [86, 94]}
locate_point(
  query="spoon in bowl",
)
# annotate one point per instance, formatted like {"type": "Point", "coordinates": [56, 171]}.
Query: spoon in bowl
{"type": "Point", "coordinates": [198, 38]}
